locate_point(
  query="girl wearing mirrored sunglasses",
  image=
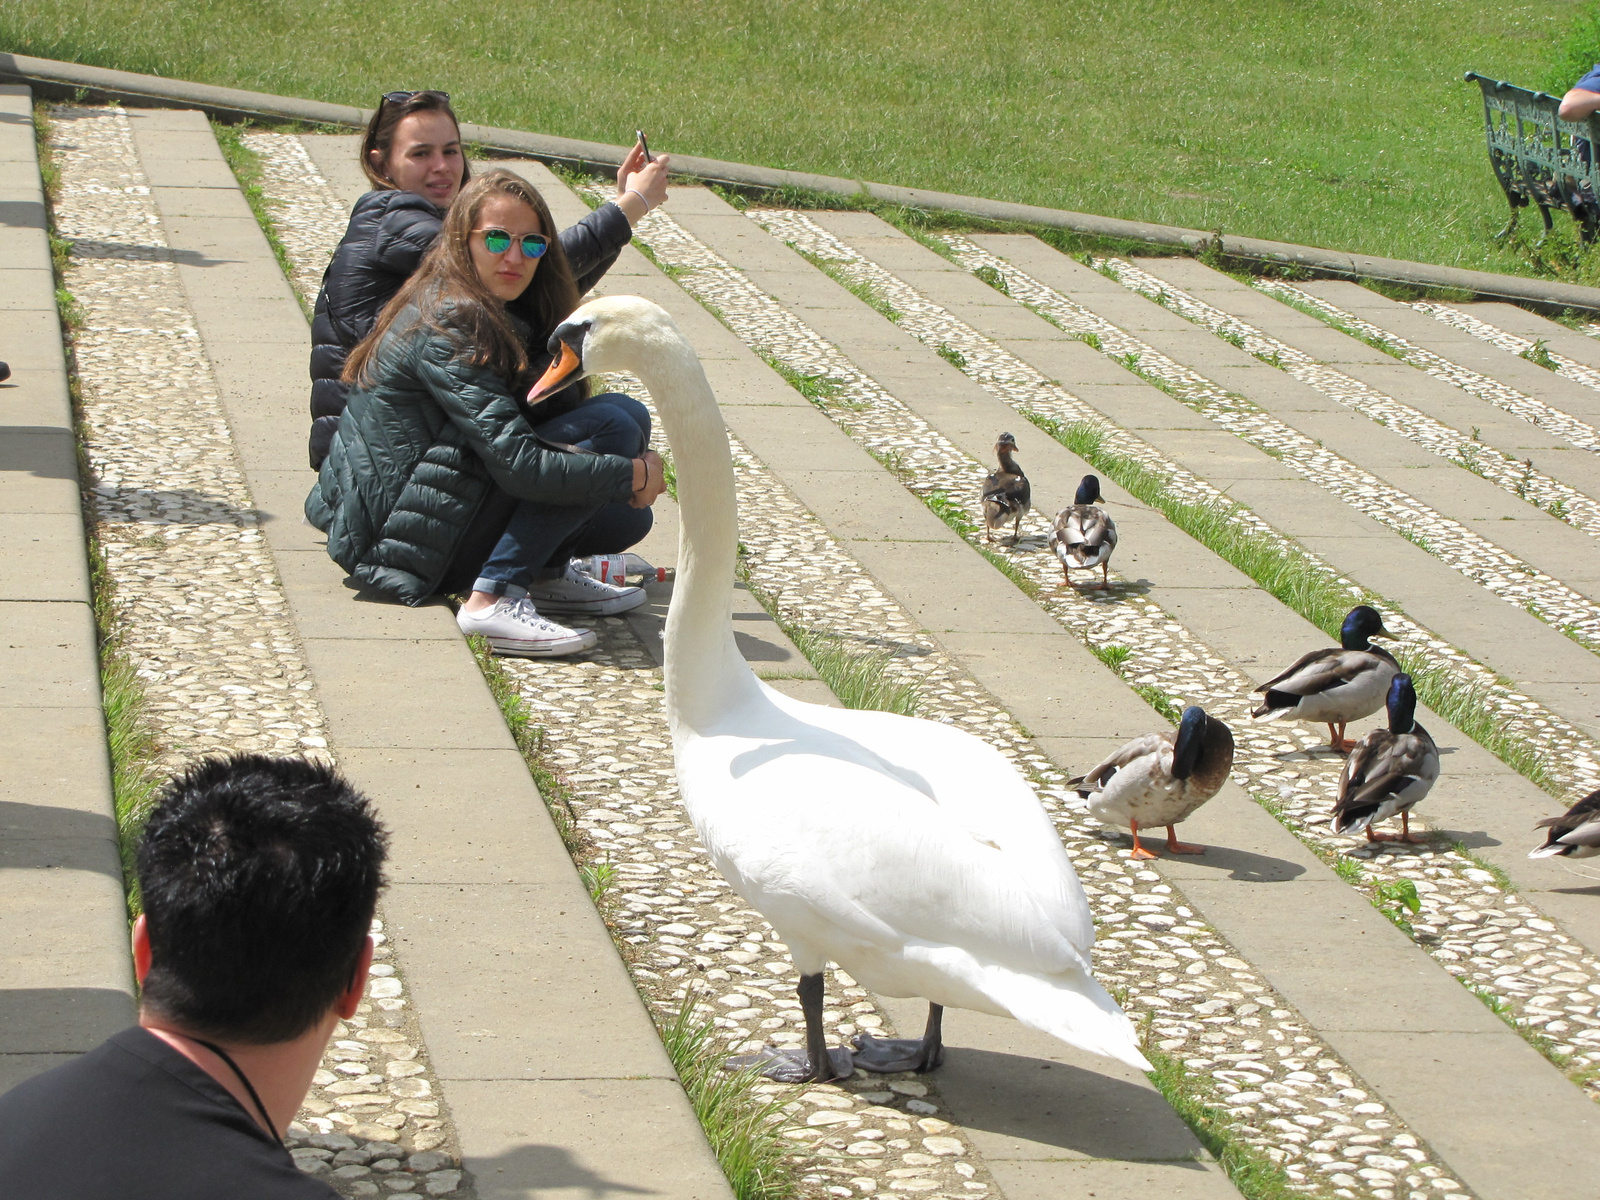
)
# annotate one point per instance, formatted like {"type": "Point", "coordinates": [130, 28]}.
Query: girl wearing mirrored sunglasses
{"type": "Point", "coordinates": [441, 480]}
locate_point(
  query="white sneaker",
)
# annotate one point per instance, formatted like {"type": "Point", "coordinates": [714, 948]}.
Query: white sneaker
{"type": "Point", "coordinates": [514, 627]}
{"type": "Point", "coordinates": [577, 592]}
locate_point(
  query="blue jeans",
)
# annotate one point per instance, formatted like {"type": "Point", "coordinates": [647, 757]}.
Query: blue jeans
{"type": "Point", "coordinates": [536, 539]}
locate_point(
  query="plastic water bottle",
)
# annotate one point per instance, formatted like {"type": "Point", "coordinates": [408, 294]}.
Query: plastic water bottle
{"type": "Point", "coordinates": [615, 569]}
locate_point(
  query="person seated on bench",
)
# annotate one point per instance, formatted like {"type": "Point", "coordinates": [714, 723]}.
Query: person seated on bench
{"type": "Point", "coordinates": [412, 155]}
{"type": "Point", "coordinates": [441, 479]}
{"type": "Point", "coordinates": [259, 878]}
{"type": "Point", "coordinates": [1580, 103]}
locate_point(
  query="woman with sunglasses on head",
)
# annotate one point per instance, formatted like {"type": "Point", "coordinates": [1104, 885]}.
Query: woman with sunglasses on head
{"type": "Point", "coordinates": [440, 480]}
{"type": "Point", "coordinates": [412, 155]}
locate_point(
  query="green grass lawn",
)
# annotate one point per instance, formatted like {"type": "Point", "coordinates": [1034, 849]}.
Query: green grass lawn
{"type": "Point", "coordinates": [1324, 122]}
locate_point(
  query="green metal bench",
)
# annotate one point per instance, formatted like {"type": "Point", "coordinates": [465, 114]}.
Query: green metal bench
{"type": "Point", "coordinates": [1535, 158]}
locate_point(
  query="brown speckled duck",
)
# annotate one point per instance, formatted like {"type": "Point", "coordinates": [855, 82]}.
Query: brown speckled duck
{"type": "Point", "coordinates": [1007, 496]}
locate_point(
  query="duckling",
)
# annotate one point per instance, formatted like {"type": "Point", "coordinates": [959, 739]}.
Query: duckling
{"type": "Point", "coordinates": [1084, 535]}
{"type": "Point", "coordinates": [1574, 834]}
{"type": "Point", "coordinates": [1389, 771]}
{"type": "Point", "coordinates": [1007, 496]}
{"type": "Point", "coordinates": [1161, 778]}
{"type": "Point", "coordinates": [1335, 687]}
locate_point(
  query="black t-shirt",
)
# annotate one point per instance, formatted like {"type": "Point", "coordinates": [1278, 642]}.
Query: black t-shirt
{"type": "Point", "coordinates": [135, 1120]}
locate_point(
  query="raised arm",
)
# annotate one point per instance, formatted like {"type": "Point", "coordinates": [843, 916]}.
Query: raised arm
{"type": "Point", "coordinates": [593, 244]}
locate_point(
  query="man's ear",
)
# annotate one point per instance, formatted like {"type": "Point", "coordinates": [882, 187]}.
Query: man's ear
{"type": "Point", "coordinates": [346, 1006]}
{"type": "Point", "coordinates": [141, 949]}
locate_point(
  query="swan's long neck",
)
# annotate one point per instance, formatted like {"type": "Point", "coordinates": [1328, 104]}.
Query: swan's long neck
{"type": "Point", "coordinates": [705, 673]}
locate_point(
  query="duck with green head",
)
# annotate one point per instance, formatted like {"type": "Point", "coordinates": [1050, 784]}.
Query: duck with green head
{"type": "Point", "coordinates": [1337, 685]}
{"type": "Point", "coordinates": [1389, 772]}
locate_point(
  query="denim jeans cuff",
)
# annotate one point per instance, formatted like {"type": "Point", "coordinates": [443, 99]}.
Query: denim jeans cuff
{"type": "Point", "coordinates": [499, 587]}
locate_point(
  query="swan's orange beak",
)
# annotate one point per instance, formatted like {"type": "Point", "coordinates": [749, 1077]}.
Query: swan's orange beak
{"type": "Point", "coordinates": [557, 375]}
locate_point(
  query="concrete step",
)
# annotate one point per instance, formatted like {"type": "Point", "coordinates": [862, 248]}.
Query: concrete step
{"type": "Point", "coordinates": [1460, 348]}
{"type": "Point", "coordinates": [66, 974]}
{"type": "Point", "coordinates": [1401, 453]}
{"type": "Point", "coordinates": [1531, 326]}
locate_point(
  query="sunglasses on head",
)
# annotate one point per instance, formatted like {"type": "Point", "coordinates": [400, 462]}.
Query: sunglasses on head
{"type": "Point", "coordinates": [402, 97]}
{"type": "Point", "coordinates": [498, 241]}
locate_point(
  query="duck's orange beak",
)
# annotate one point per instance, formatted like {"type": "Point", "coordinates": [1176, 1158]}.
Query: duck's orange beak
{"type": "Point", "coordinates": [557, 375]}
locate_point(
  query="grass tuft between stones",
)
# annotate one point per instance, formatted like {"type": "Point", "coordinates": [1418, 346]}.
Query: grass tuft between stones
{"type": "Point", "coordinates": [744, 1127]}
{"type": "Point", "coordinates": [1255, 1175]}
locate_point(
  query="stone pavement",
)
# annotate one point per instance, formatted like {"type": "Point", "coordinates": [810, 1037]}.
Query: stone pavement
{"type": "Point", "coordinates": [1360, 1067]}
{"type": "Point", "coordinates": [66, 974]}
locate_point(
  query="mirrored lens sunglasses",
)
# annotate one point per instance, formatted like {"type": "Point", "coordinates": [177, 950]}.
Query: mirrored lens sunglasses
{"type": "Point", "coordinates": [498, 241]}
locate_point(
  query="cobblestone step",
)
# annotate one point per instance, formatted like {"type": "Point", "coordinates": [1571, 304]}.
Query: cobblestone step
{"type": "Point", "coordinates": [1440, 420]}
{"type": "Point", "coordinates": [1522, 325]}
{"type": "Point", "coordinates": [914, 381]}
{"type": "Point", "coordinates": [66, 976]}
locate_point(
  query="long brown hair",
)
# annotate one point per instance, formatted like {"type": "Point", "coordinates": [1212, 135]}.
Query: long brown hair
{"type": "Point", "coordinates": [380, 133]}
{"type": "Point", "coordinates": [453, 300]}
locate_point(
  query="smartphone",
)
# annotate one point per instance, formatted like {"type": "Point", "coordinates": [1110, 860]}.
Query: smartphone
{"type": "Point", "coordinates": [648, 157]}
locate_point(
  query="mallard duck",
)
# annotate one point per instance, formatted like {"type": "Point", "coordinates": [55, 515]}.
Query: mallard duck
{"type": "Point", "coordinates": [1335, 686]}
{"type": "Point", "coordinates": [1007, 497]}
{"type": "Point", "coordinates": [1085, 535]}
{"type": "Point", "coordinates": [1388, 772]}
{"type": "Point", "coordinates": [1575, 833]}
{"type": "Point", "coordinates": [910, 853]}
{"type": "Point", "coordinates": [1161, 778]}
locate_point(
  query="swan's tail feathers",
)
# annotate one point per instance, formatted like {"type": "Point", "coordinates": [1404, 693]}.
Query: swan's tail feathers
{"type": "Point", "coordinates": [1073, 1008]}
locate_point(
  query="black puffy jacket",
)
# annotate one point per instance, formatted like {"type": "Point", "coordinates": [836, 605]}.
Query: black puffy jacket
{"type": "Point", "coordinates": [419, 448]}
{"type": "Point", "coordinates": [388, 234]}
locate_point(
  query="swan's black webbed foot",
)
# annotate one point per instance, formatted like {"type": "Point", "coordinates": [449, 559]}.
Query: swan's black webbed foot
{"type": "Point", "coordinates": [886, 1056]}
{"type": "Point", "coordinates": [792, 1066]}
{"type": "Point", "coordinates": [889, 1055]}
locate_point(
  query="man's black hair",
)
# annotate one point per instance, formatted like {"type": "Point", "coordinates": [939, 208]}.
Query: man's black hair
{"type": "Point", "coordinates": [259, 876]}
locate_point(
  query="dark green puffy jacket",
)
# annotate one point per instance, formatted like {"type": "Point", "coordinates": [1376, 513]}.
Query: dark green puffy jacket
{"type": "Point", "coordinates": [420, 447]}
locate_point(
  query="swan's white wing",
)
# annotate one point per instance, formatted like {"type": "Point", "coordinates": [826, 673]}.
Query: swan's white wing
{"type": "Point", "coordinates": [929, 835]}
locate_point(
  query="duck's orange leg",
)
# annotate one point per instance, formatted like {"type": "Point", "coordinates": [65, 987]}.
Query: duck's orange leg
{"type": "Point", "coordinates": [1174, 846]}
{"type": "Point", "coordinates": [1138, 850]}
{"type": "Point", "coordinates": [1403, 836]}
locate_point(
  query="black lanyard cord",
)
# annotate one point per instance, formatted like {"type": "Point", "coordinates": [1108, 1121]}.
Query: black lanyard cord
{"type": "Point", "coordinates": [243, 1078]}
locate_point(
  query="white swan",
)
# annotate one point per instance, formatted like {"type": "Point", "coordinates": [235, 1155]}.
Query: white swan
{"type": "Point", "coordinates": [908, 852]}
